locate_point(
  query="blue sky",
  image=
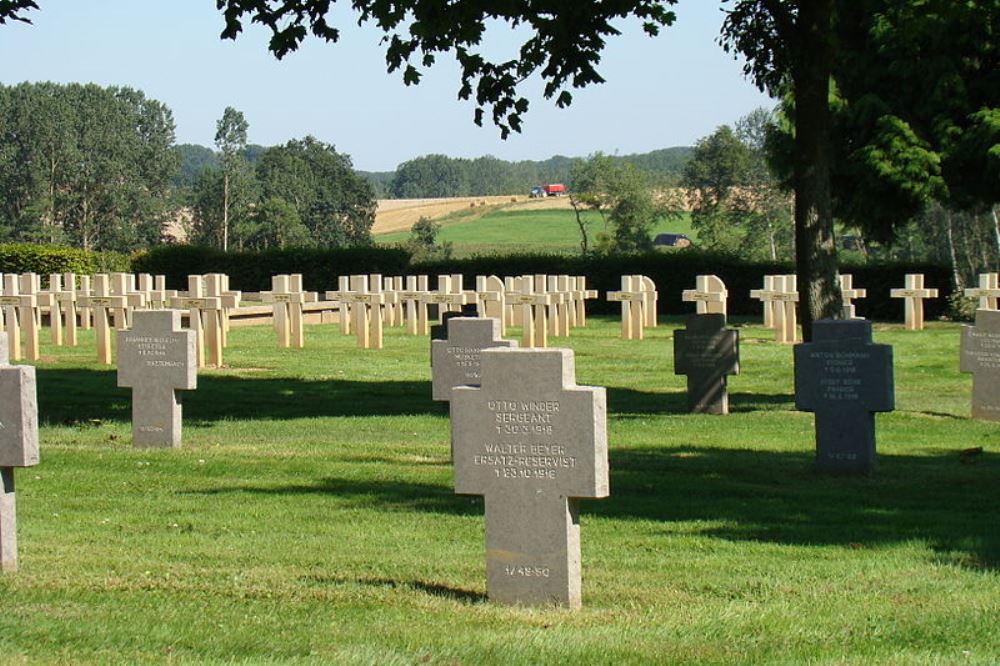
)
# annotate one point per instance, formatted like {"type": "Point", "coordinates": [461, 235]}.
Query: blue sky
{"type": "Point", "coordinates": [660, 92]}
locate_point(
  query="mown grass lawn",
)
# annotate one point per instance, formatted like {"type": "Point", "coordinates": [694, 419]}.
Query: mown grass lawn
{"type": "Point", "coordinates": [309, 518]}
{"type": "Point", "coordinates": [507, 231]}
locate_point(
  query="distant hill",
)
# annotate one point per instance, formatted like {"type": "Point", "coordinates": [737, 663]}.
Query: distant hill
{"type": "Point", "coordinates": [443, 176]}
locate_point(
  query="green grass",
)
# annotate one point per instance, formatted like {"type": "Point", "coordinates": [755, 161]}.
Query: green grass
{"type": "Point", "coordinates": [507, 231]}
{"type": "Point", "coordinates": [309, 518]}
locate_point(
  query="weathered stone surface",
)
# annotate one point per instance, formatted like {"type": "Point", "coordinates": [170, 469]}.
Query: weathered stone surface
{"type": "Point", "coordinates": [440, 331]}
{"type": "Point", "coordinates": [156, 358]}
{"type": "Point", "coordinates": [844, 378]}
{"type": "Point", "coordinates": [706, 351]}
{"type": "Point", "coordinates": [532, 443]}
{"type": "Point", "coordinates": [18, 446]}
{"type": "Point", "coordinates": [980, 355]}
{"type": "Point", "coordinates": [456, 360]}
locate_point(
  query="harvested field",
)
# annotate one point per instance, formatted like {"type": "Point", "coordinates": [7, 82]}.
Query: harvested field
{"type": "Point", "coordinates": [401, 214]}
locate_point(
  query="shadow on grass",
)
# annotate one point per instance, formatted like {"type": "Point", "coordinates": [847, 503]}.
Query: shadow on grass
{"type": "Point", "coordinates": [390, 495]}
{"type": "Point", "coordinates": [433, 589]}
{"type": "Point", "coordinates": [757, 496]}
{"type": "Point", "coordinates": [76, 395]}
{"type": "Point", "coordinates": [779, 498]}
{"type": "Point", "coordinates": [626, 401]}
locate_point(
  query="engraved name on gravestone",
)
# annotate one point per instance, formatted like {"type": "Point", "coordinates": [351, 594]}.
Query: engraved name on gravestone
{"type": "Point", "coordinates": [456, 360]}
{"type": "Point", "coordinates": [706, 351]}
{"type": "Point", "coordinates": [980, 355]}
{"type": "Point", "coordinates": [18, 444]}
{"type": "Point", "coordinates": [844, 378]}
{"type": "Point", "coordinates": [532, 443]}
{"type": "Point", "coordinates": [156, 358]}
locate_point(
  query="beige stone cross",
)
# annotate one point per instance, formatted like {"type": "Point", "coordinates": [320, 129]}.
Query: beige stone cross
{"type": "Point", "coordinates": [491, 299]}
{"type": "Point", "coordinates": [123, 284]}
{"type": "Point", "coordinates": [766, 297]}
{"type": "Point", "coordinates": [914, 294]}
{"type": "Point", "coordinates": [204, 318]}
{"type": "Point", "coordinates": [18, 446]}
{"type": "Point", "coordinates": [562, 310]}
{"type": "Point", "coordinates": [414, 307]}
{"type": "Point", "coordinates": [288, 296]}
{"type": "Point", "coordinates": [581, 296]}
{"type": "Point", "coordinates": [62, 315]}
{"type": "Point", "coordinates": [154, 288]}
{"type": "Point", "coordinates": [449, 296]}
{"type": "Point", "coordinates": [848, 293]}
{"type": "Point", "coordinates": [86, 316]}
{"type": "Point", "coordinates": [392, 313]}
{"type": "Point", "coordinates": [650, 300]}
{"type": "Point", "coordinates": [100, 303]}
{"type": "Point", "coordinates": [531, 307]}
{"type": "Point", "coordinates": [633, 306]}
{"type": "Point", "coordinates": [19, 311]}
{"type": "Point", "coordinates": [365, 307]}
{"type": "Point", "coordinates": [786, 297]}
{"type": "Point", "coordinates": [709, 295]}
{"type": "Point", "coordinates": [217, 286]}
{"type": "Point", "coordinates": [988, 291]}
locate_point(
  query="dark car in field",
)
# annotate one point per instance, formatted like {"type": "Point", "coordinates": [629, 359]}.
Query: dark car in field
{"type": "Point", "coordinates": [671, 240]}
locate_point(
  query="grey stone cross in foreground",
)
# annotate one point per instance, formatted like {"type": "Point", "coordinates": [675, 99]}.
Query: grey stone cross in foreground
{"type": "Point", "coordinates": [18, 444]}
{"type": "Point", "coordinates": [156, 358]}
{"type": "Point", "coordinates": [844, 378]}
{"type": "Point", "coordinates": [532, 443]}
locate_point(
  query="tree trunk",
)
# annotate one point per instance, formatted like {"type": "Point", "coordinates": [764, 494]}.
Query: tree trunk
{"type": "Point", "coordinates": [996, 236]}
{"type": "Point", "coordinates": [225, 212]}
{"type": "Point", "coordinates": [815, 249]}
{"type": "Point", "coordinates": [956, 275]}
{"type": "Point", "coordinates": [583, 227]}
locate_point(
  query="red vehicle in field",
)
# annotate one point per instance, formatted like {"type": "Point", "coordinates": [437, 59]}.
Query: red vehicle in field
{"type": "Point", "coordinates": [550, 190]}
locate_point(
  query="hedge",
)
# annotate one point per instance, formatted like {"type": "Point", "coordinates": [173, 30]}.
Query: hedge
{"type": "Point", "coordinates": [48, 259]}
{"type": "Point", "coordinates": [674, 272]}
{"type": "Point", "coordinates": [671, 271]}
{"type": "Point", "coordinates": [252, 271]}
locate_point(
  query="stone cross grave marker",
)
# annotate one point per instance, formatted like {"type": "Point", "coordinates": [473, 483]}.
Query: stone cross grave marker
{"type": "Point", "coordinates": [766, 297]}
{"type": "Point", "coordinates": [86, 316]}
{"type": "Point", "coordinates": [448, 297]}
{"type": "Point", "coordinates": [492, 299]}
{"type": "Point", "coordinates": [650, 300]}
{"type": "Point", "coordinates": [55, 308]}
{"type": "Point", "coordinates": [364, 300]}
{"type": "Point", "coordinates": [988, 291]}
{"type": "Point", "coordinates": [18, 445]}
{"type": "Point", "coordinates": [20, 311]}
{"type": "Point", "coordinates": [844, 378]}
{"type": "Point", "coordinates": [980, 355]}
{"type": "Point", "coordinates": [123, 285]}
{"type": "Point", "coordinates": [582, 296]}
{"type": "Point", "coordinates": [288, 297]}
{"type": "Point", "coordinates": [99, 302]}
{"type": "Point", "coordinates": [154, 288]}
{"type": "Point", "coordinates": [849, 293]}
{"type": "Point", "coordinates": [709, 295]}
{"type": "Point", "coordinates": [64, 306]}
{"type": "Point", "coordinates": [633, 302]}
{"type": "Point", "coordinates": [530, 307]}
{"type": "Point", "coordinates": [31, 283]}
{"type": "Point", "coordinates": [205, 319]}
{"type": "Point", "coordinates": [455, 361]}
{"type": "Point", "coordinates": [157, 358]}
{"type": "Point", "coordinates": [914, 294]}
{"type": "Point", "coordinates": [706, 351]}
{"type": "Point", "coordinates": [414, 307]}
{"type": "Point", "coordinates": [532, 443]}
{"type": "Point", "coordinates": [217, 286]}
{"type": "Point", "coordinates": [562, 304]}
